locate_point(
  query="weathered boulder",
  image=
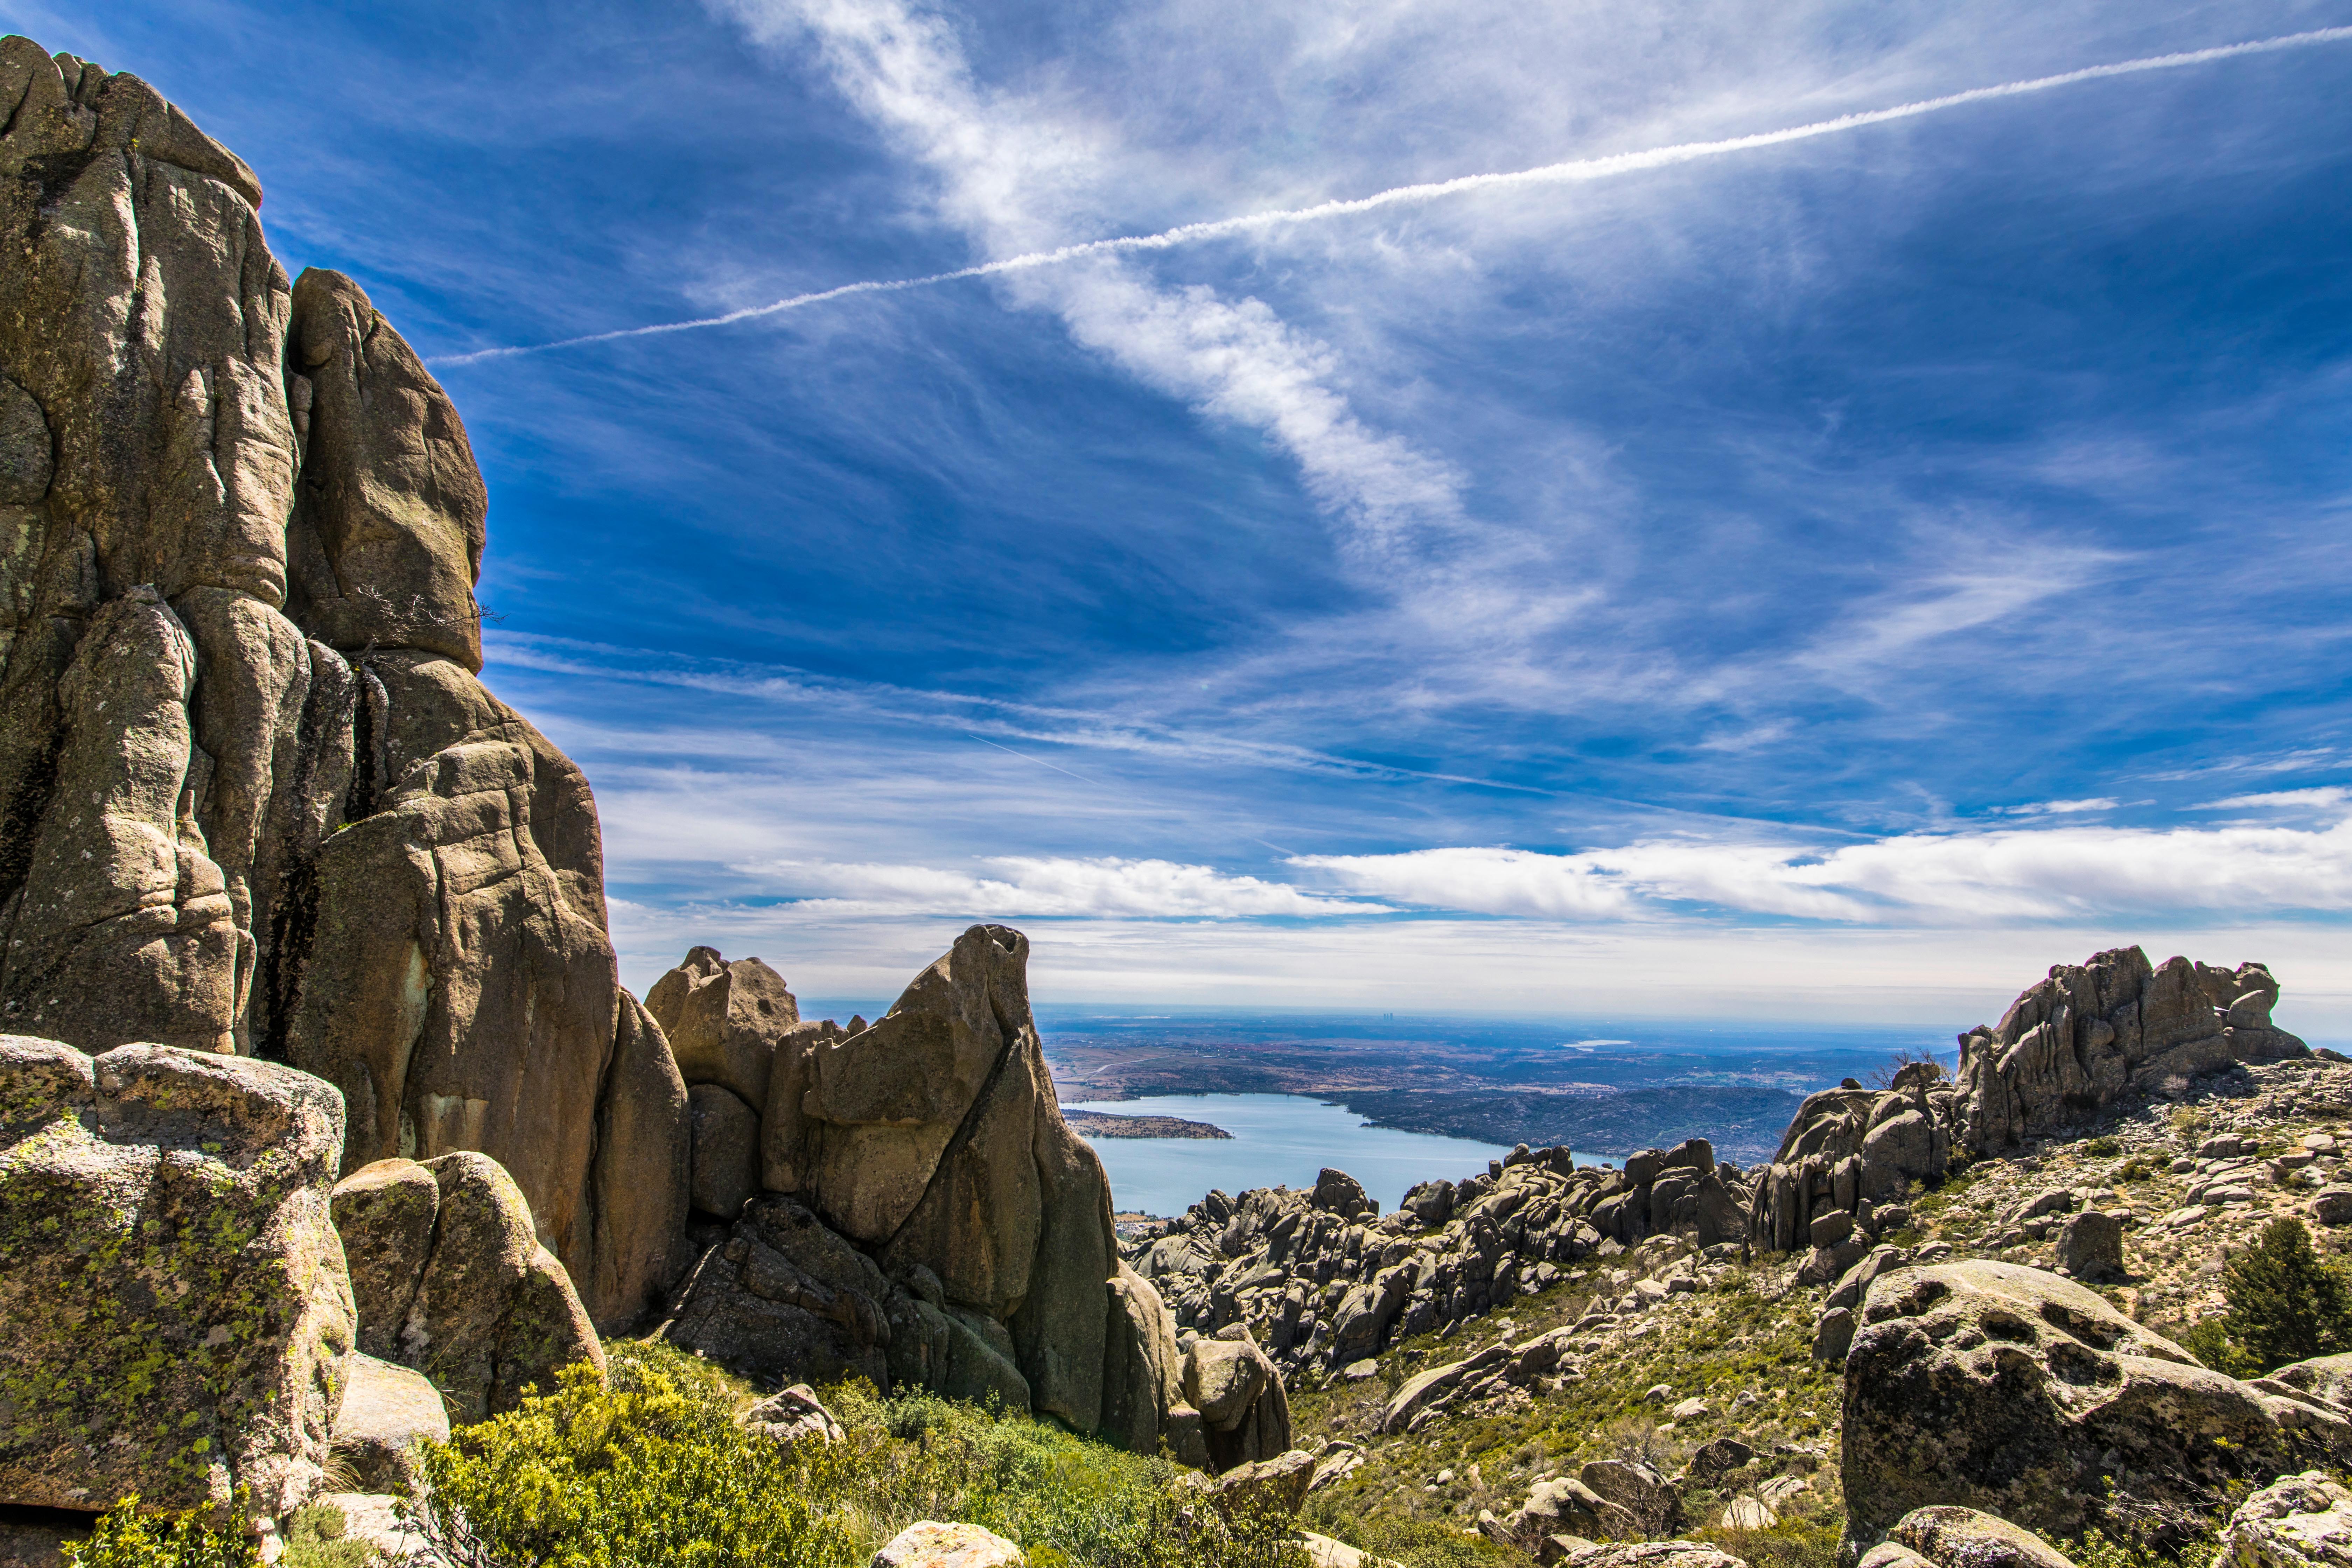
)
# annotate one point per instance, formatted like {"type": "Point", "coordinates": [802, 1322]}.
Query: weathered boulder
{"type": "Point", "coordinates": [2300, 1521]}
{"type": "Point", "coordinates": [174, 1317]}
{"type": "Point", "coordinates": [1566, 1507]}
{"type": "Point", "coordinates": [485, 1311]}
{"type": "Point", "coordinates": [1655, 1502]}
{"type": "Point", "coordinates": [723, 1020]}
{"type": "Point", "coordinates": [1641, 1554]}
{"type": "Point", "coordinates": [2088, 1034]}
{"type": "Point", "coordinates": [2328, 1377]}
{"type": "Point", "coordinates": [931, 1545]}
{"type": "Point", "coordinates": [1336, 1191]}
{"type": "Point", "coordinates": [2042, 1395]}
{"type": "Point", "coordinates": [2091, 1246]}
{"type": "Point", "coordinates": [255, 798]}
{"type": "Point", "coordinates": [1323, 1551]}
{"type": "Point", "coordinates": [388, 1413]}
{"type": "Point", "coordinates": [1275, 1485]}
{"type": "Point", "coordinates": [1244, 1411]}
{"type": "Point", "coordinates": [1964, 1538]}
{"type": "Point", "coordinates": [385, 1213]}
{"type": "Point", "coordinates": [786, 1299]}
{"type": "Point", "coordinates": [792, 1415]}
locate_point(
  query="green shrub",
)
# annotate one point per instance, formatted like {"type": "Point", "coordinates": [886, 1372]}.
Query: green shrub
{"type": "Point", "coordinates": [125, 1537]}
{"type": "Point", "coordinates": [650, 1470]}
{"type": "Point", "coordinates": [653, 1470]}
{"type": "Point", "coordinates": [2105, 1146]}
{"type": "Point", "coordinates": [2286, 1304]}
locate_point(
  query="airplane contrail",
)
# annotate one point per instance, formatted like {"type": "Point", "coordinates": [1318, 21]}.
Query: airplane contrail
{"type": "Point", "coordinates": [1549, 173]}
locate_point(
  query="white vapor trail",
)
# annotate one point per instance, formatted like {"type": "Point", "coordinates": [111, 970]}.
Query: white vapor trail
{"type": "Point", "coordinates": [1570, 172]}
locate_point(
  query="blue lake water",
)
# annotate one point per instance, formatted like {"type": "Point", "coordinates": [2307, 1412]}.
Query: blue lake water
{"type": "Point", "coordinates": [1278, 1140]}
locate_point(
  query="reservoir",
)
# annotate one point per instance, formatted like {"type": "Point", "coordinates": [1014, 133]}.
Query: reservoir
{"type": "Point", "coordinates": [1279, 1140]}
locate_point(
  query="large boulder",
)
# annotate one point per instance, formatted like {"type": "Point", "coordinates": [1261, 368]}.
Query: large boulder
{"type": "Point", "coordinates": [174, 1317]}
{"type": "Point", "coordinates": [256, 799]}
{"type": "Point", "coordinates": [928, 1544]}
{"type": "Point", "coordinates": [1243, 1412]}
{"type": "Point", "coordinates": [2021, 1394]}
{"type": "Point", "coordinates": [1950, 1537]}
{"type": "Point", "coordinates": [930, 1147]}
{"type": "Point", "coordinates": [786, 1299]}
{"type": "Point", "coordinates": [2089, 1034]}
{"type": "Point", "coordinates": [484, 1309]}
{"type": "Point", "coordinates": [723, 1020]}
{"type": "Point", "coordinates": [2299, 1521]}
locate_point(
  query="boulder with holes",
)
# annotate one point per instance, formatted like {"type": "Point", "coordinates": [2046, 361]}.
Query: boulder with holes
{"type": "Point", "coordinates": [2021, 1394]}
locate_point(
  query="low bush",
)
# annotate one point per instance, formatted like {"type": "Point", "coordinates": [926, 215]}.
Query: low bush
{"type": "Point", "coordinates": [652, 1470]}
{"type": "Point", "coordinates": [125, 1537]}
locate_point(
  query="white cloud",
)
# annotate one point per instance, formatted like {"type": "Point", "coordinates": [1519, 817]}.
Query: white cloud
{"type": "Point", "coordinates": [2034, 874]}
{"type": "Point", "coordinates": [1105, 887]}
{"type": "Point", "coordinates": [2057, 807]}
{"type": "Point", "coordinates": [2324, 799]}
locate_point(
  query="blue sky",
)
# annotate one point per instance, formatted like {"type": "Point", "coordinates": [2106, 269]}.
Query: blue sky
{"type": "Point", "coordinates": [1837, 579]}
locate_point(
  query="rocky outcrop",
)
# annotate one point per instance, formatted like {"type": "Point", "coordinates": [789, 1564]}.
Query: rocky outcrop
{"type": "Point", "coordinates": [2090, 1034]}
{"type": "Point", "coordinates": [452, 1280]}
{"type": "Point", "coordinates": [927, 1219]}
{"type": "Point", "coordinates": [2299, 1521]}
{"type": "Point", "coordinates": [2016, 1391]}
{"type": "Point", "coordinates": [1846, 1164]}
{"type": "Point", "coordinates": [166, 1250]}
{"type": "Point", "coordinates": [253, 798]}
{"type": "Point", "coordinates": [1541, 1362]}
{"type": "Point", "coordinates": [1320, 1278]}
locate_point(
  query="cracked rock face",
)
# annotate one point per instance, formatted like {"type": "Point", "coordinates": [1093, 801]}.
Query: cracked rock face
{"type": "Point", "coordinates": [2016, 1391]}
{"type": "Point", "coordinates": [927, 1217]}
{"type": "Point", "coordinates": [2089, 1034]}
{"type": "Point", "coordinates": [253, 798]}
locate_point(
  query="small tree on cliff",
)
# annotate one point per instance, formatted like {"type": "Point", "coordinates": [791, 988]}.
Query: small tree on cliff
{"type": "Point", "coordinates": [2286, 1304]}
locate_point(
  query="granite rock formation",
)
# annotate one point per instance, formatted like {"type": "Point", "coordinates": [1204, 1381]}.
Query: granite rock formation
{"type": "Point", "coordinates": [1320, 1278]}
{"type": "Point", "coordinates": [1847, 1163]}
{"type": "Point", "coordinates": [2011, 1390]}
{"type": "Point", "coordinates": [2089, 1034]}
{"type": "Point", "coordinates": [923, 1213]}
{"type": "Point", "coordinates": [166, 1246]}
{"type": "Point", "coordinates": [253, 798]}
{"type": "Point", "coordinates": [449, 1277]}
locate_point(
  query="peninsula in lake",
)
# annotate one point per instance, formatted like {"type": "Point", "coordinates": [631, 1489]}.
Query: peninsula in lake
{"type": "Point", "coordinates": [1103, 1124]}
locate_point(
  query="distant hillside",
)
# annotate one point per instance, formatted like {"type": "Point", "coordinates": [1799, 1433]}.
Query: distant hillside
{"type": "Point", "coordinates": [1744, 1124]}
